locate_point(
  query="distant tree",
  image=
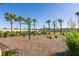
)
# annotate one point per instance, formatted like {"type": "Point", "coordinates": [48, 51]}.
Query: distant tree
{"type": "Point", "coordinates": [77, 14]}
{"type": "Point", "coordinates": [10, 17]}
{"type": "Point", "coordinates": [44, 29]}
{"type": "Point", "coordinates": [48, 22]}
{"type": "Point", "coordinates": [4, 28]}
{"type": "Point", "coordinates": [54, 25]}
{"type": "Point", "coordinates": [71, 23]}
{"type": "Point", "coordinates": [29, 21]}
{"type": "Point", "coordinates": [60, 21]}
{"type": "Point", "coordinates": [16, 28]}
{"type": "Point", "coordinates": [19, 19]}
{"type": "Point", "coordinates": [34, 23]}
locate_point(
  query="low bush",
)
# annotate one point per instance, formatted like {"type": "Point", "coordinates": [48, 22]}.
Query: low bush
{"type": "Point", "coordinates": [13, 33]}
{"type": "Point", "coordinates": [38, 33]}
{"type": "Point", "coordinates": [6, 34]}
{"type": "Point", "coordinates": [1, 34]}
{"type": "Point", "coordinates": [43, 32]}
{"type": "Point", "coordinates": [55, 36]}
{"type": "Point", "coordinates": [34, 32]}
{"type": "Point", "coordinates": [17, 33]}
{"type": "Point", "coordinates": [72, 41]}
{"type": "Point", "coordinates": [62, 33]}
{"type": "Point", "coordinates": [9, 52]}
{"type": "Point", "coordinates": [23, 33]}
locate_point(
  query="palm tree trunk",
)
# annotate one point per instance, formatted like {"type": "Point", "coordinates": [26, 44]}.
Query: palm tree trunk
{"type": "Point", "coordinates": [49, 28]}
{"type": "Point", "coordinates": [60, 28]}
{"type": "Point", "coordinates": [54, 28]}
{"type": "Point", "coordinates": [20, 26]}
{"type": "Point", "coordinates": [11, 27]}
{"type": "Point", "coordinates": [34, 28]}
{"type": "Point", "coordinates": [29, 28]}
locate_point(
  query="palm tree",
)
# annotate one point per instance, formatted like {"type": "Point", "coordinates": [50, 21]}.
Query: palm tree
{"type": "Point", "coordinates": [71, 23]}
{"type": "Point", "coordinates": [10, 17]}
{"type": "Point", "coordinates": [54, 25]}
{"type": "Point", "coordinates": [28, 21]}
{"type": "Point", "coordinates": [77, 14]}
{"type": "Point", "coordinates": [48, 21]}
{"type": "Point", "coordinates": [34, 21]}
{"type": "Point", "coordinates": [60, 21]}
{"type": "Point", "coordinates": [19, 19]}
{"type": "Point", "coordinates": [44, 30]}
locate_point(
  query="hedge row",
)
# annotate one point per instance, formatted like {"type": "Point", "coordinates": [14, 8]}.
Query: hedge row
{"type": "Point", "coordinates": [17, 33]}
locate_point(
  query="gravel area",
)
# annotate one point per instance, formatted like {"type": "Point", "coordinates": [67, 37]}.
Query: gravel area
{"type": "Point", "coordinates": [39, 45]}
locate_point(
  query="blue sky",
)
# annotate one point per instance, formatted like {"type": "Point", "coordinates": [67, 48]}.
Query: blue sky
{"type": "Point", "coordinates": [40, 11]}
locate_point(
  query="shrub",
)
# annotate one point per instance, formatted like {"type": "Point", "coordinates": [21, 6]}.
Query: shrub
{"type": "Point", "coordinates": [31, 32]}
{"type": "Point", "coordinates": [55, 36]}
{"type": "Point", "coordinates": [34, 32]}
{"type": "Point", "coordinates": [43, 32]}
{"type": "Point", "coordinates": [1, 34]}
{"type": "Point", "coordinates": [38, 33]}
{"type": "Point", "coordinates": [9, 52]}
{"type": "Point", "coordinates": [72, 41]}
{"type": "Point", "coordinates": [13, 33]}
{"type": "Point", "coordinates": [6, 34]}
{"type": "Point", "coordinates": [17, 32]}
{"type": "Point", "coordinates": [63, 34]}
{"type": "Point", "coordinates": [23, 33]}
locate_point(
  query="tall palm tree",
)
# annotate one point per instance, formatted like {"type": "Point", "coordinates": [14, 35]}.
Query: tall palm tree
{"type": "Point", "coordinates": [44, 30]}
{"type": "Point", "coordinates": [28, 21]}
{"type": "Point", "coordinates": [77, 14]}
{"type": "Point", "coordinates": [19, 19]}
{"type": "Point", "coordinates": [71, 23]}
{"type": "Point", "coordinates": [48, 22]}
{"type": "Point", "coordinates": [34, 23]}
{"type": "Point", "coordinates": [10, 17]}
{"type": "Point", "coordinates": [54, 25]}
{"type": "Point", "coordinates": [60, 21]}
